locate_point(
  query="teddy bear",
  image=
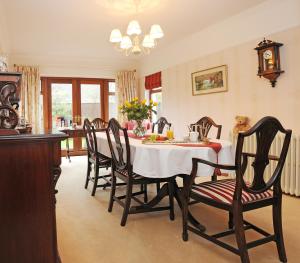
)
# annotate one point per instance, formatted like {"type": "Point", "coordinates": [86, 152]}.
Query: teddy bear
{"type": "Point", "coordinates": [242, 124]}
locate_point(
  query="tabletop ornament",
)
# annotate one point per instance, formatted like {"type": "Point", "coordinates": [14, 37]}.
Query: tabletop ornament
{"type": "Point", "coordinates": [138, 111]}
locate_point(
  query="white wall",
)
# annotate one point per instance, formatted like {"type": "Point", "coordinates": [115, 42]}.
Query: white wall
{"type": "Point", "coordinates": [231, 42]}
{"type": "Point", "coordinates": [247, 95]}
{"type": "Point", "coordinates": [74, 66]}
{"type": "Point", "coordinates": [4, 38]}
{"type": "Point", "coordinates": [262, 20]}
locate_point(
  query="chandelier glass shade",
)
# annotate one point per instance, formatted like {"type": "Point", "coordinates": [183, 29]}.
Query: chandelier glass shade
{"type": "Point", "coordinates": [134, 41]}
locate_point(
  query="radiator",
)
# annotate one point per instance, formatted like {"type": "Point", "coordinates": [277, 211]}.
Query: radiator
{"type": "Point", "coordinates": [290, 178]}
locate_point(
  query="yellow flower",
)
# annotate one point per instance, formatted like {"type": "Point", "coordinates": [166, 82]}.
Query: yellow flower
{"type": "Point", "coordinates": [135, 99]}
{"type": "Point", "coordinates": [155, 103]}
{"type": "Point", "coordinates": [120, 107]}
{"type": "Point", "coordinates": [127, 104]}
{"type": "Point", "coordinates": [143, 102]}
{"type": "Point", "coordinates": [151, 101]}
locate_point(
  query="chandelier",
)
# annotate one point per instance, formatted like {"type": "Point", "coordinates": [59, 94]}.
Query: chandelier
{"type": "Point", "coordinates": [134, 41]}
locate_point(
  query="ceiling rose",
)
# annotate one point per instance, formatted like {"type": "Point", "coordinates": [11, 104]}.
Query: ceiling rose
{"type": "Point", "coordinates": [129, 6]}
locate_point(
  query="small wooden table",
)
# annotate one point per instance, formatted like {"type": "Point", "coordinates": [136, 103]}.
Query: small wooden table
{"type": "Point", "coordinates": [77, 132]}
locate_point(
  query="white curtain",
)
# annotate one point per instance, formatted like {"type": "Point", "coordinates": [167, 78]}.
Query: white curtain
{"type": "Point", "coordinates": [126, 86]}
{"type": "Point", "coordinates": [30, 95]}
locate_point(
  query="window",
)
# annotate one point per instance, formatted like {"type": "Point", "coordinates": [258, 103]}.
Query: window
{"type": "Point", "coordinates": [90, 101]}
{"type": "Point", "coordinates": [156, 96]}
{"type": "Point", "coordinates": [153, 85]}
{"type": "Point", "coordinates": [62, 107]}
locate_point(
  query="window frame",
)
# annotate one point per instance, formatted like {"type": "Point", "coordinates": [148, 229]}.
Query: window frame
{"type": "Point", "coordinates": [110, 94]}
{"type": "Point", "coordinates": [151, 92]}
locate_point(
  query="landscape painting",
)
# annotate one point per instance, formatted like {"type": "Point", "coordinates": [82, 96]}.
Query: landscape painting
{"type": "Point", "coordinates": [210, 80]}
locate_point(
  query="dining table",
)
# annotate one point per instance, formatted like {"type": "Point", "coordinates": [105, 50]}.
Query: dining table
{"type": "Point", "coordinates": [169, 159]}
{"type": "Point", "coordinates": [162, 160]}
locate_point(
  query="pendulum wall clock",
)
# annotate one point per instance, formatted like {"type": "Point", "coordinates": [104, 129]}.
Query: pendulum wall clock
{"type": "Point", "coordinates": [269, 60]}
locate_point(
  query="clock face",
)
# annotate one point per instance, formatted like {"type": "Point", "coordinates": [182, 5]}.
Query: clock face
{"type": "Point", "coordinates": [268, 54]}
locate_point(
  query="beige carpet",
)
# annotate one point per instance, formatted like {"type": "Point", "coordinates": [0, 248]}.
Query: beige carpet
{"type": "Point", "coordinates": [87, 233]}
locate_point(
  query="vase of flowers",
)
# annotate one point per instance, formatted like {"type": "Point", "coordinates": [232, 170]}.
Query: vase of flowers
{"type": "Point", "coordinates": [138, 111]}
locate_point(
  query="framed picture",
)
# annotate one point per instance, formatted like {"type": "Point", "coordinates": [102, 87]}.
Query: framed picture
{"type": "Point", "coordinates": [210, 80]}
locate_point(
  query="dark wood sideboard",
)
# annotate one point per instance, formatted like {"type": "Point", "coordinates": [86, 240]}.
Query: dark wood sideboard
{"type": "Point", "coordinates": [29, 170]}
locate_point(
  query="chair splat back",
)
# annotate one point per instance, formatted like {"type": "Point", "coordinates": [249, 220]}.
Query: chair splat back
{"type": "Point", "coordinates": [90, 135]}
{"type": "Point", "coordinates": [207, 123]}
{"type": "Point", "coordinates": [265, 131]}
{"type": "Point", "coordinates": [115, 131]}
{"type": "Point", "coordinates": [99, 123]}
{"type": "Point", "coordinates": [161, 123]}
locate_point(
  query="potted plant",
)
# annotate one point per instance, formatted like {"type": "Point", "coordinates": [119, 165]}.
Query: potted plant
{"type": "Point", "coordinates": [138, 111]}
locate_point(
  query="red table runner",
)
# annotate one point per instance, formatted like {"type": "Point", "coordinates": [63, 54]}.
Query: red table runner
{"type": "Point", "coordinates": [214, 145]}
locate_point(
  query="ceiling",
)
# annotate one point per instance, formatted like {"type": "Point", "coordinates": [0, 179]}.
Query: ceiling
{"type": "Point", "coordinates": [81, 28]}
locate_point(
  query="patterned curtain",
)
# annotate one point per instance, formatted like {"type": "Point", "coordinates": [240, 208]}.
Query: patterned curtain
{"type": "Point", "coordinates": [30, 95]}
{"type": "Point", "coordinates": [126, 86]}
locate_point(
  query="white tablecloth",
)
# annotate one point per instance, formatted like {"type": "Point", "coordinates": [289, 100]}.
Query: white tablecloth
{"type": "Point", "coordinates": [162, 161]}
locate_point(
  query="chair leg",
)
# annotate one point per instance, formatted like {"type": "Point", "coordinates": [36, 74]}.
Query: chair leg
{"type": "Point", "coordinates": [240, 234]}
{"type": "Point", "coordinates": [184, 210]}
{"type": "Point", "coordinates": [112, 192]}
{"type": "Point", "coordinates": [157, 187]}
{"type": "Point", "coordinates": [214, 177]}
{"type": "Point", "coordinates": [145, 189]}
{"type": "Point", "coordinates": [89, 168]}
{"type": "Point", "coordinates": [277, 223]}
{"type": "Point", "coordinates": [68, 150]}
{"type": "Point", "coordinates": [127, 203]}
{"type": "Point", "coordinates": [230, 221]}
{"type": "Point", "coordinates": [96, 172]}
{"type": "Point", "coordinates": [171, 199]}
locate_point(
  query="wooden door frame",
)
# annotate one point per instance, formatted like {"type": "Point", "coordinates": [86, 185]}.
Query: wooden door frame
{"type": "Point", "coordinates": [76, 102]}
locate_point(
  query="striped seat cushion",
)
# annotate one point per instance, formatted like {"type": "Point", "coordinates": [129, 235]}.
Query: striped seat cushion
{"type": "Point", "coordinates": [222, 191]}
{"type": "Point", "coordinates": [125, 173]}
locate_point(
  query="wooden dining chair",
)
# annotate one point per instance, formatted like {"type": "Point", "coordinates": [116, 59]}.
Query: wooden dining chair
{"type": "Point", "coordinates": [122, 169]}
{"type": "Point", "coordinates": [94, 157]}
{"type": "Point", "coordinates": [161, 123]}
{"type": "Point", "coordinates": [238, 196]}
{"type": "Point", "coordinates": [207, 123]}
{"type": "Point", "coordinates": [99, 123]}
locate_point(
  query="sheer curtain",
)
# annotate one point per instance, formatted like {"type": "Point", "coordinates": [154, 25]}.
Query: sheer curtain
{"type": "Point", "coordinates": [30, 95]}
{"type": "Point", "coordinates": [126, 86]}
